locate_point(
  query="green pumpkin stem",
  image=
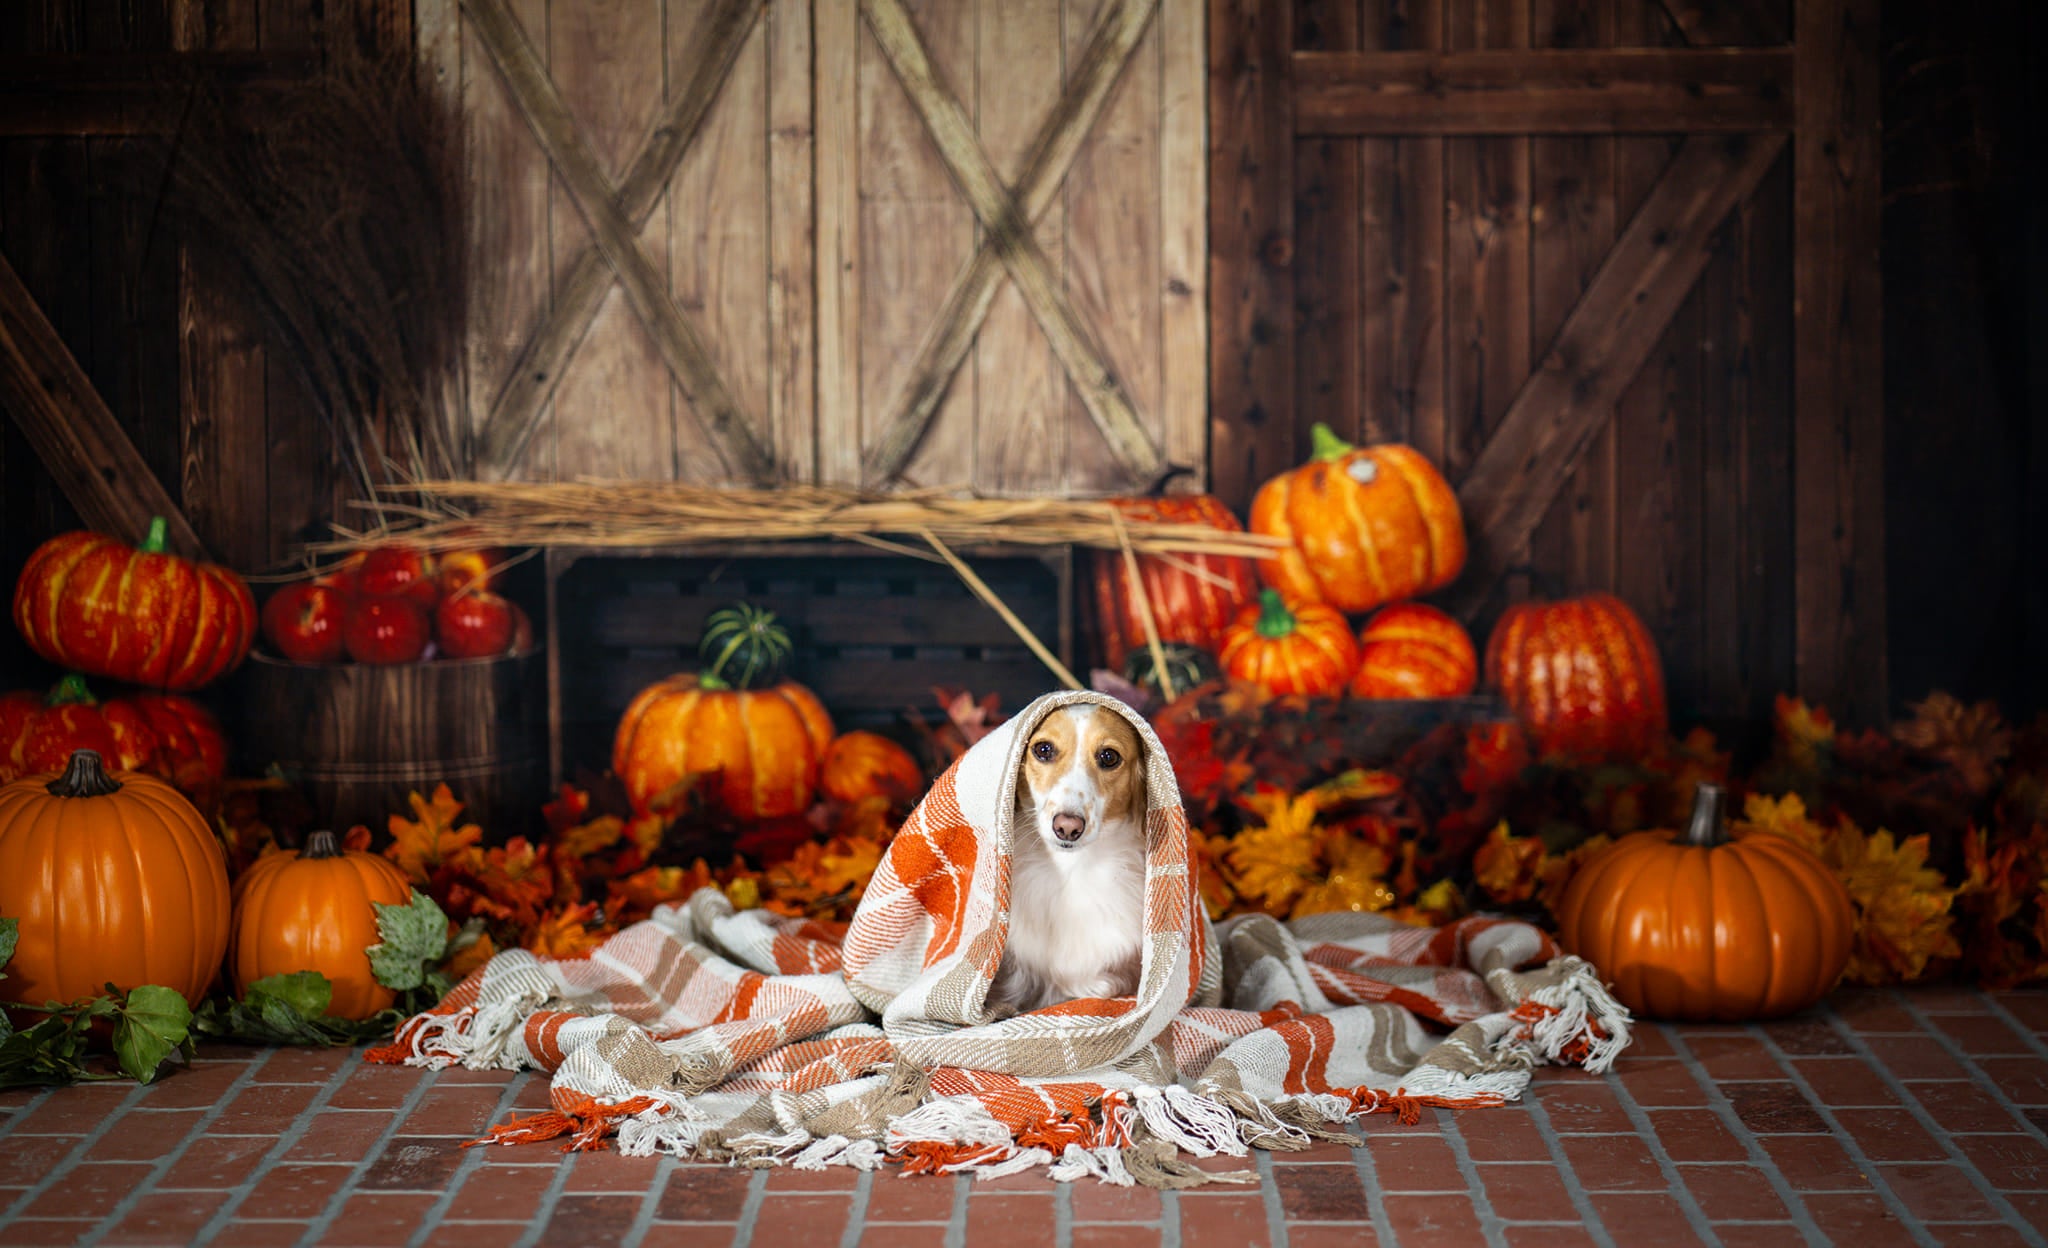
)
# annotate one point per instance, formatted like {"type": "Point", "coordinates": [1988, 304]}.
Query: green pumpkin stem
{"type": "Point", "coordinates": [1326, 445]}
{"type": "Point", "coordinates": [70, 691]}
{"type": "Point", "coordinates": [1709, 825]}
{"type": "Point", "coordinates": [712, 680]}
{"type": "Point", "coordinates": [159, 533]}
{"type": "Point", "coordinates": [1275, 620]}
{"type": "Point", "coordinates": [84, 776]}
{"type": "Point", "coordinates": [321, 844]}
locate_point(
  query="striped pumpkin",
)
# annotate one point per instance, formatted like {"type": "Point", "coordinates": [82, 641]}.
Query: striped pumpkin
{"type": "Point", "coordinates": [765, 744]}
{"type": "Point", "coordinates": [1303, 649]}
{"type": "Point", "coordinates": [1194, 597]}
{"type": "Point", "coordinates": [1413, 650]}
{"type": "Point", "coordinates": [1582, 675]}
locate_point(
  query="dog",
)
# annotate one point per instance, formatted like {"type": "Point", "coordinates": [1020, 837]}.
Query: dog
{"type": "Point", "coordinates": [1077, 865]}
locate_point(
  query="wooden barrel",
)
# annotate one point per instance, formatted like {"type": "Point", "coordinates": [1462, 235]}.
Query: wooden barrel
{"type": "Point", "coordinates": [358, 738]}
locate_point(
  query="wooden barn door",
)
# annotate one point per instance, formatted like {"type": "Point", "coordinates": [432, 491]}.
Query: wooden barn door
{"type": "Point", "coordinates": [949, 243]}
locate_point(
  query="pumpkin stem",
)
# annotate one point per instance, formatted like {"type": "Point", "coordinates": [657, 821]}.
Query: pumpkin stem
{"type": "Point", "coordinates": [159, 533]}
{"type": "Point", "coordinates": [712, 680]}
{"type": "Point", "coordinates": [1325, 444]}
{"type": "Point", "coordinates": [1275, 620]}
{"type": "Point", "coordinates": [84, 776]}
{"type": "Point", "coordinates": [1709, 826]}
{"type": "Point", "coordinates": [321, 844]}
{"type": "Point", "coordinates": [71, 691]}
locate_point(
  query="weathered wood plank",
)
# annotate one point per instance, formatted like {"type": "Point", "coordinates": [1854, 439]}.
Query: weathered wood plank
{"type": "Point", "coordinates": [1608, 91]}
{"type": "Point", "coordinates": [115, 94]}
{"type": "Point", "coordinates": [837, 129]}
{"type": "Point", "coordinates": [1600, 349]}
{"type": "Point", "coordinates": [792, 399]}
{"type": "Point", "coordinates": [1330, 290]}
{"type": "Point", "coordinates": [1716, 23]}
{"type": "Point", "coordinates": [1838, 475]}
{"type": "Point", "coordinates": [1184, 239]}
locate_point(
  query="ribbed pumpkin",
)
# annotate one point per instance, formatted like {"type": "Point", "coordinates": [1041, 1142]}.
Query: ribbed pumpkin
{"type": "Point", "coordinates": [1194, 597]}
{"type": "Point", "coordinates": [1306, 648]}
{"type": "Point", "coordinates": [1582, 675]}
{"type": "Point", "coordinates": [166, 735]}
{"type": "Point", "coordinates": [1367, 525]}
{"type": "Point", "coordinates": [1413, 650]}
{"type": "Point", "coordinates": [1702, 926]}
{"type": "Point", "coordinates": [860, 765]}
{"type": "Point", "coordinates": [90, 602]}
{"type": "Point", "coordinates": [115, 879]}
{"type": "Point", "coordinates": [311, 911]}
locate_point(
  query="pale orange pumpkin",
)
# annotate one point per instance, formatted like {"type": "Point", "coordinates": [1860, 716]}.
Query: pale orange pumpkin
{"type": "Point", "coordinates": [1413, 650]}
{"type": "Point", "coordinates": [115, 879]}
{"type": "Point", "coordinates": [765, 744]}
{"type": "Point", "coordinates": [312, 911]}
{"type": "Point", "coordinates": [1705, 926]}
{"type": "Point", "coordinates": [861, 765]}
{"type": "Point", "coordinates": [1305, 648]}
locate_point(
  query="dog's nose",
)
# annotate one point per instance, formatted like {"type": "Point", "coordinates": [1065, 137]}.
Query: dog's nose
{"type": "Point", "coordinates": [1068, 828]}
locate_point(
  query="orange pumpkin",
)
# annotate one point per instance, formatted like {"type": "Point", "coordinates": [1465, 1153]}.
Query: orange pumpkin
{"type": "Point", "coordinates": [765, 744]}
{"type": "Point", "coordinates": [163, 734]}
{"type": "Point", "coordinates": [1307, 648]}
{"type": "Point", "coordinates": [1366, 525]}
{"type": "Point", "coordinates": [311, 911]}
{"type": "Point", "coordinates": [115, 879]}
{"type": "Point", "coordinates": [91, 602]}
{"type": "Point", "coordinates": [1413, 650]}
{"type": "Point", "coordinates": [1582, 675]}
{"type": "Point", "coordinates": [867, 764]}
{"type": "Point", "coordinates": [1702, 926]}
{"type": "Point", "coordinates": [1194, 597]}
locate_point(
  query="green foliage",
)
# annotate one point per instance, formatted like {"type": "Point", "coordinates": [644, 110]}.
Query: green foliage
{"type": "Point", "coordinates": [745, 647]}
{"type": "Point", "coordinates": [414, 939]}
{"type": "Point", "coordinates": [150, 1023]}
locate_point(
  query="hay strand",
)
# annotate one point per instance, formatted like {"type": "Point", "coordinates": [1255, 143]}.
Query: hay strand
{"type": "Point", "coordinates": [997, 605]}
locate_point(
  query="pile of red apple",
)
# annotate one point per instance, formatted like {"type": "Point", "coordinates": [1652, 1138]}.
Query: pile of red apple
{"type": "Point", "coordinates": [396, 604]}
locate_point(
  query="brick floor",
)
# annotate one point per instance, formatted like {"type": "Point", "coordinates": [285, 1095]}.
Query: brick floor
{"type": "Point", "coordinates": [1911, 1117]}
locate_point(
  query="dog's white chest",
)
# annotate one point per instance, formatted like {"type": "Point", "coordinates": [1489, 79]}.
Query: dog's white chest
{"type": "Point", "coordinates": [1073, 916]}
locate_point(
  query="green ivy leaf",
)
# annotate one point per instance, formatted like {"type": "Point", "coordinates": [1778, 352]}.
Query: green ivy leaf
{"type": "Point", "coordinates": [10, 933]}
{"type": "Point", "coordinates": [414, 937]}
{"type": "Point", "coordinates": [153, 1023]}
{"type": "Point", "coordinates": [46, 1053]}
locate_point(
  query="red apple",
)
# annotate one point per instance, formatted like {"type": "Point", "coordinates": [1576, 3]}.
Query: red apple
{"type": "Point", "coordinates": [303, 621]}
{"type": "Point", "coordinates": [385, 630]}
{"type": "Point", "coordinates": [399, 572]}
{"type": "Point", "coordinates": [342, 576]}
{"type": "Point", "coordinates": [522, 632]}
{"type": "Point", "coordinates": [457, 570]}
{"type": "Point", "coordinates": [475, 625]}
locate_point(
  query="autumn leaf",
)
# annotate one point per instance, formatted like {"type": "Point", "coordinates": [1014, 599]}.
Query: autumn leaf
{"type": "Point", "coordinates": [564, 933]}
{"type": "Point", "coordinates": [422, 844]}
{"type": "Point", "coordinates": [1356, 881]}
{"type": "Point", "coordinates": [1902, 906]}
{"type": "Point", "coordinates": [1505, 865]}
{"type": "Point", "coordinates": [1973, 740]}
{"type": "Point", "coordinates": [1276, 860]}
{"type": "Point", "coordinates": [1495, 756]}
{"type": "Point", "coordinates": [1806, 735]}
{"type": "Point", "coordinates": [1434, 906]}
{"type": "Point", "coordinates": [568, 809]}
{"type": "Point", "coordinates": [1786, 817]}
{"type": "Point", "coordinates": [581, 841]}
{"type": "Point", "coordinates": [469, 955]}
{"type": "Point", "coordinates": [1554, 874]}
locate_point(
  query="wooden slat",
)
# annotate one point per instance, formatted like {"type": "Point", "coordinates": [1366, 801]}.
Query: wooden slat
{"type": "Point", "coordinates": [1838, 474]}
{"type": "Point", "coordinates": [1601, 347]}
{"type": "Point", "coordinates": [120, 94]}
{"type": "Point", "coordinates": [1079, 353]}
{"type": "Point", "coordinates": [792, 302]}
{"type": "Point", "coordinates": [1329, 383]}
{"type": "Point", "coordinates": [1609, 91]}
{"type": "Point", "coordinates": [1184, 239]}
{"type": "Point", "coordinates": [836, 125]}
{"type": "Point", "coordinates": [75, 435]}
{"type": "Point", "coordinates": [596, 198]}
{"type": "Point", "coordinates": [1716, 23]}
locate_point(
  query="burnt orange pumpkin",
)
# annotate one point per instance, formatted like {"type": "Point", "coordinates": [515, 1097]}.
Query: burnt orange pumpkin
{"type": "Point", "coordinates": [765, 744]}
{"type": "Point", "coordinates": [1194, 597]}
{"type": "Point", "coordinates": [860, 765]}
{"type": "Point", "coordinates": [1365, 526]}
{"type": "Point", "coordinates": [115, 879]}
{"type": "Point", "coordinates": [1307, 648]}
{"type": "Point", "coordinates": [1582, 675]}
{"type": "Point", "coordinates": [1413, 650]}
{"type": "Point", "coordinates": [94, 603]}
{"type": "Point", "coordinates": [166, 735]}
{"type": "Point", "coordinates": [1704, 926]}
{"type": "Point", "coordinates": [312, 911]}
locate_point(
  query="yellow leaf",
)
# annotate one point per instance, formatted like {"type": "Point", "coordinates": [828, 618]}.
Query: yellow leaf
{"type": "Point", "coordinates": [1505, 865]}
{"type": "Point", "coordinates": [1902, 905]}
{"type": "Point", "coordinates": [1786, 816]}
{"type": "Point", "coordinates": [1806, 734]}
{"type": "Point", "coordinates": [421, 844]}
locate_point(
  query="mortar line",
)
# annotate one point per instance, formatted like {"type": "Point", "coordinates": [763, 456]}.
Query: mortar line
{"type": "Point", "coordinates": [750, 1209]}
{"type": "Point", "coordinates": [857, 1215]}
{"type": "Point", "coordinates": [1760, 1157]}
{"type": "Point", "coordinates": [19, 1116]}
{"type": "Point", "coordinates": [643, 1221]}
{"type": "Point", "coordinates": [550, 1196]}
{"type": "Point", "coordinates": [956, 1219]}
{"type": "Point", "coordinates": [2025, 1125]}
{"type": "Point", "coordinates": [1269, 1195]}
{"type": "Point", "coordinates": [1572, 1187]}
{"type": "Point", "coordinates": [472, 1161]}
{"type": "Point", "coordinates": [1367, 1168]}
{"type": "Point", "coordinates": [2025, 1033]}
{"type": "Point", "coordinates": [1062, 1215]}
{"type": "Point", "coordinates": [1674, 1178]}
{"type": "Point", "coordinates": [1169, 1219]}
{"type": "Point", "coordinates": [285, 1141]}
{"type": "Point", "coordinates": [325, 1218]}
{"type": "Point", "coordinates": [1490, 1224]}
{"type": "Point", "coordinates": [70, 1160]}
{"type": "Point", "coordinates": [164, 1163]}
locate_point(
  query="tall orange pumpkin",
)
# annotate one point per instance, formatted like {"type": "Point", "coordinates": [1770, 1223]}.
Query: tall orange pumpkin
{"type": "Point", "coordinates": [1194, 597]}
{"type": "Point", "coordinates": [312, 911]}
{"type": "Point", "coordinates": [91, 602]}
{"type": "Point", "coordinates": [1582, 675]}
{"type": "Point", "coordinates": [1413, 650]}
{"type": "Point", "coordinates": [1702, 927]}
{"type": "Point", "coordinates": [115, 879]}
{"type": "Point", "coordinates": [1307, 648]}
{"type": "Point", "coordinates": [1366, 526]}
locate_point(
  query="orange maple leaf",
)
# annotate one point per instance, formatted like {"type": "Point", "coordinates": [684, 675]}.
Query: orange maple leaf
{"type": "Point", "coordinates": [565, 933]}
{"type": "Point", "coordinates": [421, 845]}
{"type": "Point", "coordinates": [1505, 865]}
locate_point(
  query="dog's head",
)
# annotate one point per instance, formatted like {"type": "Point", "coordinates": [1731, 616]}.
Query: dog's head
{"type": "Point", "coordinates": [1083, 774]}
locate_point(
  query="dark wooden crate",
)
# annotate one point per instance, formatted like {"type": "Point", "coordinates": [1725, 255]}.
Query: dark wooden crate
{"type": "Point", "coordinates": [874, 631]}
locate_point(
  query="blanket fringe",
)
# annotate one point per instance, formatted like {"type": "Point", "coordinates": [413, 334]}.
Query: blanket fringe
{"type": "Point", "coordinates": [1573, 1020]}
{"type": "Point", "coordinates": [585, 1121]}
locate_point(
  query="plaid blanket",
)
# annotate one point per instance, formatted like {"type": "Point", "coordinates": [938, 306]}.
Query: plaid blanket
{"type": "Point", "coordinates": [760, 1039]}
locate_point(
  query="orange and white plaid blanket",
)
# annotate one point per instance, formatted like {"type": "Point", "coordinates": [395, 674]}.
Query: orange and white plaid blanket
{"type": "Point", "coordinates": [760, 1039]}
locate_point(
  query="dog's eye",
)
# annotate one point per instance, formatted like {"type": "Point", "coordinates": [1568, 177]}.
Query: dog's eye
{"type": "Point", "coordinates": [1043, 751]}
{"type": "Point", "coordinates": [1108, 759]}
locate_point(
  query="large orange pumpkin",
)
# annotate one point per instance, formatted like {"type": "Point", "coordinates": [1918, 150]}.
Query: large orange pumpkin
{"type": "Point", "coordinates": [1367, 525]}
{"type": "Point", "coordinates": [1582, 675]}
{"type": "Point", "coordinates": [312, 911]}
{"type": "Point", "coordinates": [91, 602]}
{"type": "Point", "coordinates": [860, 765]}
{"type": "Point", "coordinates": [1194, 597]}
{"type": "Point", "coordinates": [1700, 926]}
{"type": "Point", "coordinates": [1413, 650]}
{"type": "Point", "coordinates": [163, 734]}
{"type": "Point", "coordinates": [115, 879]}
{"type": "Point", "coordinates": [1307, 648]}
{"type": "Point", "coordinates": [765, 744]}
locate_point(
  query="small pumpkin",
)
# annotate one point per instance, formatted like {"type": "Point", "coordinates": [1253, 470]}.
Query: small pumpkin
{"type": "Point", "coordinates": [1413, 650]}
{"type": "Point", "coordinates": [311, 910]}
{"type": "Point", "coordinates": [1186, 667]}
{"type": "Point", "coordinates": [1582, 675]}
{"type": "Point", "coordinates": [1366, 526]}
{"type": "Point", "coordinates": [1304, 648]}
{"type": "Point", "coordinates": [1708, 926]}
{"type": "Point", "coordinates": [164, 734]}
{"type": "Point", "coordinates": [115, 879]}
{"type": "Point", "coordinates": [95, 604]}
{"type": "Point", "coordinates": [1194, 597]}
{"type": "Point", "coordinates": [860, 765]}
